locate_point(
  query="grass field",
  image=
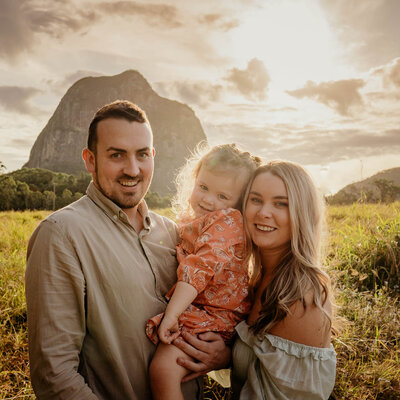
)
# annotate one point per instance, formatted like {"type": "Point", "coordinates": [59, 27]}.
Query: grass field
{"type": "Point", "coordinates": [363, 258]}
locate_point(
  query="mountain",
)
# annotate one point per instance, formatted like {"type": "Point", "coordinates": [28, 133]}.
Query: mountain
{"type": "Point", "coordinates": [176, 128]}
{"type": "Point", "coordinates": [383, 186]}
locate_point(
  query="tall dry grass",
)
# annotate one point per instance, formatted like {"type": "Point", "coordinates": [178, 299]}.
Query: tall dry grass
{"type": "Point", "coordinates": [363, 258]}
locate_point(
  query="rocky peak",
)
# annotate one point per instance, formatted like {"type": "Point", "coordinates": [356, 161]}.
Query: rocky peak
{"type": "Point", "coordinates": [176, 128]}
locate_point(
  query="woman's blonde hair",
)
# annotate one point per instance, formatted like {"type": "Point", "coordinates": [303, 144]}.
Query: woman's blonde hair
{"type": "Point", "coordinates": [299, 270]}
{"type": "Point", "coordinates": [221, 158]}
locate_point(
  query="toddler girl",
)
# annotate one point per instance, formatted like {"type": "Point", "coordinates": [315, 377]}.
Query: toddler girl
{"type": "Point", "coordinates": [211, 293]}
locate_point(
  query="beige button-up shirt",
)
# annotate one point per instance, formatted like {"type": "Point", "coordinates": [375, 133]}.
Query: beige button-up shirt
{"type": "Point", "coordinates": [91, 284]}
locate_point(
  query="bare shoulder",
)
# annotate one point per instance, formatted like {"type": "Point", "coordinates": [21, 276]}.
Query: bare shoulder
{"type": "Point", "coordinates": [306, 324]}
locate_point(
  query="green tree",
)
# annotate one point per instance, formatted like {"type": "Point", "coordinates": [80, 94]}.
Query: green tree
{"type": "Point", "coordinates": [65, 199]}
{"type": "Point", "coordinates": [22, 196]}
{"type": "Point", "coordinates": [8, 191]}
{"type": "Point", "coordinates": [35, 200]}
{"type": "Point", "coordinates": [76, 196]}
{"type": "Point", "coordinates": [388, 190]}
{"type": "Point", "coordinates": [49, 199]}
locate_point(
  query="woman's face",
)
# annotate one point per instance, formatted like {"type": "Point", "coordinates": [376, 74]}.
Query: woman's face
{"type": "Point", "coordinates": [267, 213]}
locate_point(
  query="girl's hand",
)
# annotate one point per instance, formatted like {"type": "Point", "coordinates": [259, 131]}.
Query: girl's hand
{"type": "Point", "coordinates": [168, 329]}
{"type": "Point", "coordinates": [209, 351]}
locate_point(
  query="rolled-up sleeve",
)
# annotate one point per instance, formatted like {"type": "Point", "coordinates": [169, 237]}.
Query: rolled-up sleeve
{"type": "Point", "coordinates": [55, 295]}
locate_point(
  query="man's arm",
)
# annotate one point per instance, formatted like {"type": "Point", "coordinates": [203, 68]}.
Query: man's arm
{"type": "Point", "coordinates": [55, 295]}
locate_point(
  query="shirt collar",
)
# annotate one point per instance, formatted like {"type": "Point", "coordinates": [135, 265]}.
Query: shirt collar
{"type": "Point", "coordinates": [114, 211]}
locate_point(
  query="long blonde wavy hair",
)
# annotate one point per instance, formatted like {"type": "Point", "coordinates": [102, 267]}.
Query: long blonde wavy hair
{"type": "Point", "coordinates": [299, 269]}
{"type": "Point", "coordinates": [221, 158]}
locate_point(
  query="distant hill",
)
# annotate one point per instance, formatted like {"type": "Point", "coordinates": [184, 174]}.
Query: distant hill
{"type": "Point", "coordinates": [383, 186]}
{"type": "Point", "coordinates": [176, 128]}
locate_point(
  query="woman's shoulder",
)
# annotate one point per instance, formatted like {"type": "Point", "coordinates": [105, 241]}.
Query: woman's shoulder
{"type": "Point", "coordinates": [282, 359]}
{"type": "Point", "coordinates": [306, 323]}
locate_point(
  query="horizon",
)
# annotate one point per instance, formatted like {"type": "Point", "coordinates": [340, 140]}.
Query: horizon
{"type": "Point", "coordinates": [311, 81]}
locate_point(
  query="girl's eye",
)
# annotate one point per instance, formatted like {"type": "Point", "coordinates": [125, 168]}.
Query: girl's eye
{"type": "Point", "coordinates": [222, 197]}
{"type": "Point", "coordinates": [203, 187]}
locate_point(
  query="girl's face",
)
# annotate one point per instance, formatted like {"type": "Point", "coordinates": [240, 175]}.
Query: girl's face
{"type": "Point", "coordinates": [215, 191]}
{"type": "Point", "coordinates": [267, 213]}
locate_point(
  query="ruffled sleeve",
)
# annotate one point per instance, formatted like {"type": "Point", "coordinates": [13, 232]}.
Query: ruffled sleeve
{"type": "Point", "coordinates": [209, 244]}
{"type": "Point", "coordinates": [282, 369]}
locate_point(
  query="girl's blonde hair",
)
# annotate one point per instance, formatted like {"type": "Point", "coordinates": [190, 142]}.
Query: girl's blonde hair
{"type": "Point", "coordinates": [299, 270]}
{"type": "Point", "coordinates": [221, 158]}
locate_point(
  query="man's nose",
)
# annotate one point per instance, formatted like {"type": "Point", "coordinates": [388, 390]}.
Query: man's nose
{"type": "Point", "coordinates": [131, 167]}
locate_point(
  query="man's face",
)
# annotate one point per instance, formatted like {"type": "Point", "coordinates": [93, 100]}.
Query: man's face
{"type": "Point", "coordinates": [124, 162]}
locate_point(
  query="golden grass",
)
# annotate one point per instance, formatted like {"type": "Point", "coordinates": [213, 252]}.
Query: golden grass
{"type": "Point", "coordinates": [363, 256]}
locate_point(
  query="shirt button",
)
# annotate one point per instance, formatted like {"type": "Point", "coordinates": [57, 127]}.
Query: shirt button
{"type": "Point", "coordinates": [115, 217]}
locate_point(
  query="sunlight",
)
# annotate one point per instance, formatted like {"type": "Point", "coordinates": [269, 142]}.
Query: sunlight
{"type": "Point", "coordinates": [294, 41]}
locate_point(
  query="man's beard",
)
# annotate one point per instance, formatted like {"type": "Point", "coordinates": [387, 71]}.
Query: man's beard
{"type": "Point", "coordinates": [120, 201]}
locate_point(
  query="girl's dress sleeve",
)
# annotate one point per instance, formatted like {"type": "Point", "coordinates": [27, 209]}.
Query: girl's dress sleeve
{"type": "Point", "coordinates": [280, 369]}
{"type": "Point", "coordinates": [219, 245]}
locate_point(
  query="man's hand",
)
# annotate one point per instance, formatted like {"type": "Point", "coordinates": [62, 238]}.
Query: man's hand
{"type": "Point", "coordinates": [209, 351]}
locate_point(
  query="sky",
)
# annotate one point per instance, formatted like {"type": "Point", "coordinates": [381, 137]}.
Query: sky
{"type": "Point", "coordinates": [312, 81]}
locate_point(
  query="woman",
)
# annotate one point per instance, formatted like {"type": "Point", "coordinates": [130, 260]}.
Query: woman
{"type": "Point", "coordinates": [284, 350]}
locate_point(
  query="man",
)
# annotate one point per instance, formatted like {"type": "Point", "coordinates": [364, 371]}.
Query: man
{"type": "Point", "coordinates": [99, 268]}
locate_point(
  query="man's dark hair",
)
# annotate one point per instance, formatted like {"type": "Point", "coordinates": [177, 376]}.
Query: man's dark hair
{"type": "Point", "coordinates": [121, 109]}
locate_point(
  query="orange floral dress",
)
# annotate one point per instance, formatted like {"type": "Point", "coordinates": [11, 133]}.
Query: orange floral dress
{"type": "Point", "coordinates": [213, 260]}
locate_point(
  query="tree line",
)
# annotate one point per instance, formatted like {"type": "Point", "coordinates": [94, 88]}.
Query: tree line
{"type": "Point", "coordinates": [42, 189]}
{"type": "Point", "coordinates": [380, 191]}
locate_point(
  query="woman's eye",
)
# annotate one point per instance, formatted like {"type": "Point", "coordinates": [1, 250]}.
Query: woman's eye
{"type": "Point", "coordinates": [203, 187]}
{"type": "Point", "coordinates": [281, 204]}
{"type": "Point", "coordinates": [255, 200]}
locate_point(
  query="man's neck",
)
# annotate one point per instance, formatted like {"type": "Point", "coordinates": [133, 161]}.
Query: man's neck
{"type": "Point", "coordinates": [135, 218]}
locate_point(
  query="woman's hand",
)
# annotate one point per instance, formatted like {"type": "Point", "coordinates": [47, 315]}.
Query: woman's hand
{"type": "Point", "coordinates": [208, 350]}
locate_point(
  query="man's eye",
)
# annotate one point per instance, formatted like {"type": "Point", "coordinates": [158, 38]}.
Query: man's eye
{"type": "Point", "coordinates": [115, 155]}
{"type": "Point", "coordinates": [144, 155]}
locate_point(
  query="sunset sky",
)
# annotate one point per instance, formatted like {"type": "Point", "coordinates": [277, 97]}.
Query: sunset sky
{"type": "Point", "coordinates": [313, 81]}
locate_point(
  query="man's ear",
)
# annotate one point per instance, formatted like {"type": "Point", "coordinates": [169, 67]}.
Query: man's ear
{"type": "Point", "coordinates": [90, 160]}
{"type": "Point", "coordinates": [154, 152]}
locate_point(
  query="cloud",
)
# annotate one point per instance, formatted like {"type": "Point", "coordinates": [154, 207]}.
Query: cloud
{"type": "Point", "coordinates": [342, 144]}
{"type": "Point", "coordinates": [394, 73]}
{"type": "Point", "coordinates": [369, 28]}
{"type": "Point", "coordinates": [307, 145]}
{"type": "Point", "coordinates": [340, 95]}
{"type": "Point", "coordinates": [17, 99]}
{"type": "Point", "coordinates": [200, 93]}
{"type": "Point", "coordinates": [22, 143]}
{"type": "Point", "coordinates": [162, 15]}
{"type": "Point", "coordinates": [218, 21]}
{"type": "Point", "coordinates": [390, 73]}
{"type": "Point", "coordinates": [24, 22]}
{"type": "Point", "coordinates": [69, 79]}
{"type": "Point", "coordinates": [21, 22]}
{"type": "Point", "coordinates": [251, 82]}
